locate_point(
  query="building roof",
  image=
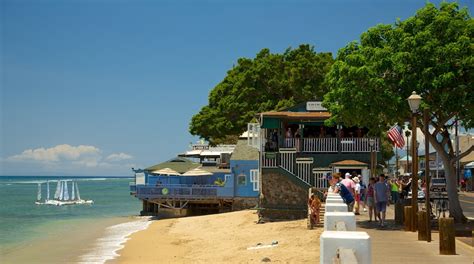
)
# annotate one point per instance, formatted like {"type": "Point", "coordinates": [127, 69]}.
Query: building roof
{"type": "Point", "coordinates": [349, 163]}
{"type": "Point", "coordinates": [244, 152]}
{"type": "Point", "coordinates": [298, 115]}
{"type": "Point", "coordinates": [178, 164]}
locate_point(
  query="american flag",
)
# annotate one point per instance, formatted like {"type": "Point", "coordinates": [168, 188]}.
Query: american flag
{"type": "Point", "coordinates": [395, 135]}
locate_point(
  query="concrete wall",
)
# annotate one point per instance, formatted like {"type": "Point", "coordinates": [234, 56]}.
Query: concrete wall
{"type": "Point", "coordinates": [283, 196]}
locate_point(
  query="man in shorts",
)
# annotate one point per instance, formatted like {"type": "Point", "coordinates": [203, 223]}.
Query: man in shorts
{"type": "Point", "coordinates": [381, 192]}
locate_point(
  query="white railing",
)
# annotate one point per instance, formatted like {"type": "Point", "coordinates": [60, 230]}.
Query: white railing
{"type": "Point", "coordinates": [269, 160]}
{"type": "Point", "coordinates": [287, 159]}
{"type": "Point", "coordinates": [359, 144]}
{"type": "Point", "coordinates": [320, 177]}
{"type": "Point", "coordinates": [319, 144]}
{"type": "Point", "coordinates": [304, 169]}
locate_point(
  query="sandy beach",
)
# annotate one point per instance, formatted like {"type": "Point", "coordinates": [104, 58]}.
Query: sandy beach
{"type": "Point", "coordinates": [221, 238]}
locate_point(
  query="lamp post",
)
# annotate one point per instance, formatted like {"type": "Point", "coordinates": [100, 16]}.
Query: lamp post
{"type": "Point", "coordinates": [372, 159]}
{"type": "Point", "coordinates": [427, 177]}
{"type": "Point", "coordinates": [414, 101]}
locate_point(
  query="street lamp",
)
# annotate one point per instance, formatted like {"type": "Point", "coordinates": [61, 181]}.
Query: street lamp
{"type": "Point", "coordinates": [427, 177]}
{"type": "Point", "coordinates": [414, 101]}
{"type": "Point", "coordinates": [372, 159]}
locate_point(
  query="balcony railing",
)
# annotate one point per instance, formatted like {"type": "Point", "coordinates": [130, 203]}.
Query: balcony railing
{"type": "Point", "coordinates": [319, 144]}
{"type": "Point", "coordinates": [176, 191]}
{"type": "Point", "coordinates": [359, 144]}
{"type": "Point", "coordinates": [329, 145]}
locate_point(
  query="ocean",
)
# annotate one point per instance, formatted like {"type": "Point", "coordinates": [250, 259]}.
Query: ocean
{"type": "Point", "coordinates": [31, 233]}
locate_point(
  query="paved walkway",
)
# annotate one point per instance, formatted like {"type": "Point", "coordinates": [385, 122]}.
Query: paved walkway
{"type": "Point", "coordinates": [393, 245]}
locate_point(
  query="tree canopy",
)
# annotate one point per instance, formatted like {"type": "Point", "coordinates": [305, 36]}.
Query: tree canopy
{"type": "Point", "coordinates": [430, 53]}
{"type": "Point", "coordinates": [270, 81]}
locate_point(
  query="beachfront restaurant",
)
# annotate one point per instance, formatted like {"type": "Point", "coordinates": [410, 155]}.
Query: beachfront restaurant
{"type": "Point", "coordinates": [298, 151]}
{"type": "Point", "coordinates": [202, 180]}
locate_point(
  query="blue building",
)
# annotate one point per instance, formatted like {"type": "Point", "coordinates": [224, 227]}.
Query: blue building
{"type": "Point", "coordinates": [203, 180]}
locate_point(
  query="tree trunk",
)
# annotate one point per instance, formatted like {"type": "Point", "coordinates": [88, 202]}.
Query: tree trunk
{"type": "Point", "coordinates": [455, 209]}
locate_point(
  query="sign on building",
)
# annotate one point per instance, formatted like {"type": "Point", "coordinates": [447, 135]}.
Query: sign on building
{"type": "Point", "coordinates": [315, 106]}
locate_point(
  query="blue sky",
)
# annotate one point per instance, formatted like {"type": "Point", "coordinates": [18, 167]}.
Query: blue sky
{"type": "Point", "coordinates": [96, 87]}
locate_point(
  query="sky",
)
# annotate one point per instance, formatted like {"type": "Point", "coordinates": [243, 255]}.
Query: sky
{"type": "Point", "coordinates": [97, 87]}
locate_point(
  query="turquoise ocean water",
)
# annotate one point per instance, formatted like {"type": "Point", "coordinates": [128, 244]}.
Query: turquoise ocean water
{"type": "Point", "coordinates": [21, 221]}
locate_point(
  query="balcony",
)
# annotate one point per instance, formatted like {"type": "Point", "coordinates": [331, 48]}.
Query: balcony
{"type": "Point", "coordinates": [183, 191]}
{"type": "Point", "coordinates": [330, 145]}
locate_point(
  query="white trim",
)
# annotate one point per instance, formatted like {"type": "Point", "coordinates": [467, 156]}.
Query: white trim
{"type": "Point", "coordinates": [254, 179]}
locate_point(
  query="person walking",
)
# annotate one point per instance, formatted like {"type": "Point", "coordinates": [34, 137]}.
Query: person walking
{"type": "Point", "coordinates": [369, 199]}
{"type": "Point", "coordinates": [345, 194]}
{"type": "Point", "coordinates": [357, 195]}
{"type": "Point", "coordinates": [363, 193]}
{"type": "Point", "coordinates": [381, 192]}
{"type": "Point", "coordinates": [394, 190]}
{"type": "Point", "coordinates": [349, 183]}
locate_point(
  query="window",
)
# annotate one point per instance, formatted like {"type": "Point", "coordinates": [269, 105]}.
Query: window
{"type": "Point", "coordinates": [241, 179]}
{"type": "Point", "coordinates": [227, 177]}
{"type": "Point", "coordinates": [254, 179]}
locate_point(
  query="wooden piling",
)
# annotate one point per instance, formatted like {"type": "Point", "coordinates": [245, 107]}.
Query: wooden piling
{"type": "Point", "coordinates": [447, 239]}
{"type": "Point", "coordinates": [422, 232]}
{"type": "Point", "coordinates": [399, 213]}
{"type": "Point", "coordinates": [408, 218]}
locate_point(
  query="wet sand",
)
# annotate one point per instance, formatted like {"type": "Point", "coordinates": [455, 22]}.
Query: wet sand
{"type": "Point", "coordinates": [221, 238]}
{"type": "Point", "coordinates": [66, 245]}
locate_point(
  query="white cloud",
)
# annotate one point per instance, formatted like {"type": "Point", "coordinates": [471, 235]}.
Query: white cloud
{"type": "Point", "coordinates": [59, 153]}
{"type": "Point", "coordinates": [65, 157]}
{"type": "Point", "coordinates": [118, 157]}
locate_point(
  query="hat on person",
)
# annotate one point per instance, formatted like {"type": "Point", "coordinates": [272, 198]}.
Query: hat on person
{"type": "Point", "coordinates": [348, 175]}
{"type": "Point", "coordinates": [356, 179]}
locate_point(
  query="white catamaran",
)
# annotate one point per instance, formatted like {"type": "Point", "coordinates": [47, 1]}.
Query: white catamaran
{"type": "Point", "coordinates": [61, 195]}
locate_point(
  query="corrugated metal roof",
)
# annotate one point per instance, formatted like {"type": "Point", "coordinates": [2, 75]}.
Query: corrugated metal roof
{"type": "Point", "coordinates": [178, 164]}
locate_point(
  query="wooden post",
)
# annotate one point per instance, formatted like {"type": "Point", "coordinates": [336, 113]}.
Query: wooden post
{"type": "Point", "coordinates": [408, 218]}
{"type": "Point", "coordinates": [399, 213]}
{"type": "Point", "coordinates": [447, 241]}
{"type": "Point", "coordinates": [422, 232]}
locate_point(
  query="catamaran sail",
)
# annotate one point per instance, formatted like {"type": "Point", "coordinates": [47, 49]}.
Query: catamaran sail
{"type": "Point", "coordinates": [72, 192]}
{"type": "Point", "coordinates": [61, 191]}
{"type": "Point", "coordinates": [61, 196]}
{"type": "Point", "coordinates": [58, 190]}
{"type": "Point", "coordinates": [38, 196]}
{"type": "Point", "coordinates": [66, 193]}
{"type": "Point", "coordinates": [47, 190]}
{"type": "Point", "coordinates": [78, 194]}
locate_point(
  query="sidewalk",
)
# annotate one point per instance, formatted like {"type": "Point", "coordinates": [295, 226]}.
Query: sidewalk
{"type": "Point", "coordinates": [393, 245]}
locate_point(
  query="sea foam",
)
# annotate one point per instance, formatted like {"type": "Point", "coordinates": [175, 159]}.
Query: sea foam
{"type": "Point", "coordinates": [106, 247]}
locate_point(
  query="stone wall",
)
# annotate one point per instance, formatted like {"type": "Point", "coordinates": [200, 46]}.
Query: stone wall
{"type": "Point", "coordinates": [283, 196]}
{"type": "Point", "coordinates": [241, 203]}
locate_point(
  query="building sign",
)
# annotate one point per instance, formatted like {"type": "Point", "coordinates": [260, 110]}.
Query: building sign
{"type": "Point", "coordinates": [314, 106]}
{"type": "Point", "coordinates": [270, 155]}
{"type": "Point", "coordinates": [200, 147]}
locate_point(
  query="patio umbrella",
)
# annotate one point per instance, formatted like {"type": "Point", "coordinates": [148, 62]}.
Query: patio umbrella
{"type": "Point", "coordinates": [197, 172]}
{"type": "Point", "coordinates": [166, 171]}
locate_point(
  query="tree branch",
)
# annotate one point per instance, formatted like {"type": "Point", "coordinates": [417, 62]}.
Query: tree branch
{"type": "Point", "coordinates": [467, 152]}
{"type": "Point", "coordinates": [440, 125]}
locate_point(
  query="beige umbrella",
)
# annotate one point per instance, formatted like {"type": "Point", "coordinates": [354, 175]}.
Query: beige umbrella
{"type": "Point", "coordinates": [197, 172]}
{"type": "Point", "coordinates": [166, 171]}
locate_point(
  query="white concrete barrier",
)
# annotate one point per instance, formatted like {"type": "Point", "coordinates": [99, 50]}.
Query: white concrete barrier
{"type": "Point", "coordinates": [331, 194]}
{"type": "Point", "coordinates": [332, 241]}
{"type": "Point", "coordinates": [336, 207]}
{"type": "Point", "coordinates": [334, 200]}
{"type": "Point", "coordinates": [332, 218]}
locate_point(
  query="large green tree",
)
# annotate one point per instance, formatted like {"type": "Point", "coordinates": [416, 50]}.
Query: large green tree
{"type": "Point", "coordinates": [270, 81]}
{"type": "Point", "coordinates": [430, 53]}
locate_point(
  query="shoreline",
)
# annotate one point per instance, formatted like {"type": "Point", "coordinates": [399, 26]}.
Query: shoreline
{"type": "Point", "coordinates": [74, 239]}
{"type": "Point", "coordinates": [227, 237]}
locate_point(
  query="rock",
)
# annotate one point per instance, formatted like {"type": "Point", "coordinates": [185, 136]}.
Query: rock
{"type": "Point", "coordinates": [266, 259]}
